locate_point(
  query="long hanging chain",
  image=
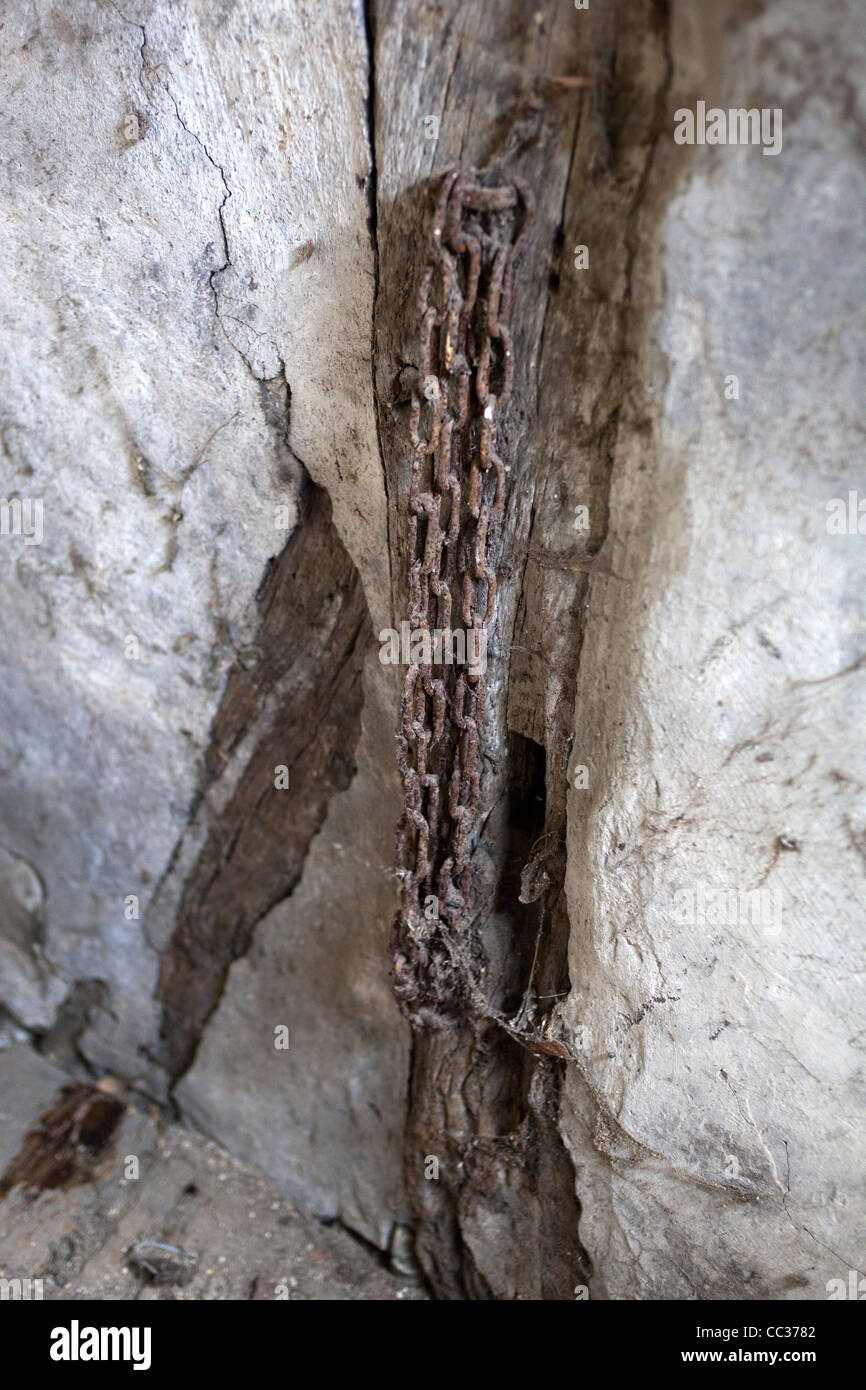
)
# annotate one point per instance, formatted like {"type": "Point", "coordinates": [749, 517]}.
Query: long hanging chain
{"type": "Point", "coordinates": [456, 503]}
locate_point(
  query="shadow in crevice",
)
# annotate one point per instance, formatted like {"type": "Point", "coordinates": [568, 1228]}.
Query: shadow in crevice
{"type": "Point", "coordinates": [283, 740]}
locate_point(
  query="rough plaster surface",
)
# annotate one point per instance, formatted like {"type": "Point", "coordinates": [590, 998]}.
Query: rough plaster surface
{"type": "Point", "coordinates": [716, 1116]}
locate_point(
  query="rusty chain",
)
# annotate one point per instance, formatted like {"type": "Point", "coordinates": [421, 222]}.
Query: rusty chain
{"type": "Point", "coordinates": [456, 503]}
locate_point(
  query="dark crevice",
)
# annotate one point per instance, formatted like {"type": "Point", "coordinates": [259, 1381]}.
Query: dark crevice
{"type": "Point", "coordinates": [517, 914]}
{"type": "Point", "coordinates": [296, 699]}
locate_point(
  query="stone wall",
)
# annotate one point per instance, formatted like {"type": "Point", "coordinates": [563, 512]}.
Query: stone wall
{"type": "Point", "coordinates": [215, 217]}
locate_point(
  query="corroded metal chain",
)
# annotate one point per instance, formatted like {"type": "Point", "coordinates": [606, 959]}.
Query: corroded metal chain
{"type": "Point", "coordinates": [456, 504]}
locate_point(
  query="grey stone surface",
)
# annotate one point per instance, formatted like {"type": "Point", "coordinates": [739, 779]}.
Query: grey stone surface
{"type": "Point", "coordinates": [28, 1084]}
{"type": "Point", "coordinates": [716, 1117]}
{"type": "Point", "coordinates": [324, 1115]}
{"type": "Point", "coordinates": [185, 218]}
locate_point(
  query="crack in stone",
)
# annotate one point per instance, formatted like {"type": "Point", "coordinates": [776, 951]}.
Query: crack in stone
{"type": "Point", "coordinates": [298, 704]}
{"type": "Point", "coordinates": [372, 192]}
{"type": "Point", "coordinates": [146, 71]}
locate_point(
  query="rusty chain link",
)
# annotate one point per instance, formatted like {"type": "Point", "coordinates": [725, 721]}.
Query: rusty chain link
{"type": "Point", "coordinates": [456, 503]}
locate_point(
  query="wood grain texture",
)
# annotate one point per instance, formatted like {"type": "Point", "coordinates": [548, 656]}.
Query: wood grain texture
{"type": "Point", "coordinates": [570, 103]}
